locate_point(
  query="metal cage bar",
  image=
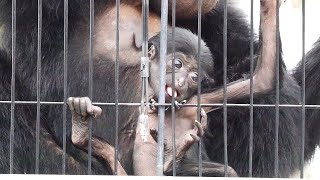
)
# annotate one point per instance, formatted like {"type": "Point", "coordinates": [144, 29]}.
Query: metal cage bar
{"type": "Point", "coordinates": [276, 141]}
{"type": "Point", "coordinates": [199, 85]}
{"type": "Point", "coordinates": [225, 56]}
{"type": "Point", "coordinates": [303, 90]}
{"type": "Point", "coordinates": [116, 144]}
{"type": "Point", "coordinates": [91, 31]}
{"type": "Point", "coordinates": [13, 80]}
{"type": "Point", "coordinates": [251, 90]}
{"type": "Point", "coordinates": [65, 83]}
{"type": "Point", "coordinates": [307, 106]}
{"type": "Point", "coordinates": [173, 107]}
{"type": "Point", "coordinates": [145, 28]}
{"type": "Point", "coordinates": [161, 110]}
{"type": "Point", "coordinates": [38, 85]}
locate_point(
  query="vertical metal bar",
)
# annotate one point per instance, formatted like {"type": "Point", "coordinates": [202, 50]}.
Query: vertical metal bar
{"type": "Point", "coordinates": [117, 89]}
{"type": "Point", "coordinates": [145, 7]}
{"type": "Point", "coordinates": [276, 151]}
{"type": "Point", "coordinates": [303, 93]}
{"type": "Point", "coordinates": [13, 80]}
{"type": "Point", "coordinates": [144, 69]}
{"type": "Point", "coordinates": [199, 85]}
{"type": "Point", "coordinates": [38, 85]}
{"type": "Point", "coordinates": [251, 91]}
{"type": "Point", "coordinates": [163, 54]}
{"type": "Point", "coordinates": [65, 83]}
{"type": "Point", "coordinates": [90, 79]}
{"type": "Point", "coordinates": [173, 107]}
{"type": "Point", "coordinates": [225, 56]}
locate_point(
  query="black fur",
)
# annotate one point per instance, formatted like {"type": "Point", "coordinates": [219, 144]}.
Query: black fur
{"type": "Point", "coordinates": [104, 83]}
{"type": "Point", "coordinates": [312, 96]}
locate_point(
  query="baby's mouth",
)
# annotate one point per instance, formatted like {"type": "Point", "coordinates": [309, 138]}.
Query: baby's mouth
{"type": "Point", "coordinates": [171, 92]}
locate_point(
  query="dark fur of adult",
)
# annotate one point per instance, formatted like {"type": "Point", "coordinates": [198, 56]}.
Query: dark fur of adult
{"type": "Point", "coordinates": [312, 95]}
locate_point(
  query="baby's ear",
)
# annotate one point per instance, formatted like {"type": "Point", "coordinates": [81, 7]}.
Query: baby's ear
{"type": "Point", "coordinates": [152, 51]}
{"type": "Point", "coordinates": [208, 81]}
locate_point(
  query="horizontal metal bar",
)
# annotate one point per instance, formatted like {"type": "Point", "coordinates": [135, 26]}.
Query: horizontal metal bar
{"type": "Point", "coordinates": [30, 102]}
{"type": "Point", "coordinates": [169, 104]}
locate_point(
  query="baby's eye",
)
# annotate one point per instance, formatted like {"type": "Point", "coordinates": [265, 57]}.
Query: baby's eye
{"type": "Point", "coordinates": [178, 63]}
{"type": "Point", "coordinates": [194, 77]}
